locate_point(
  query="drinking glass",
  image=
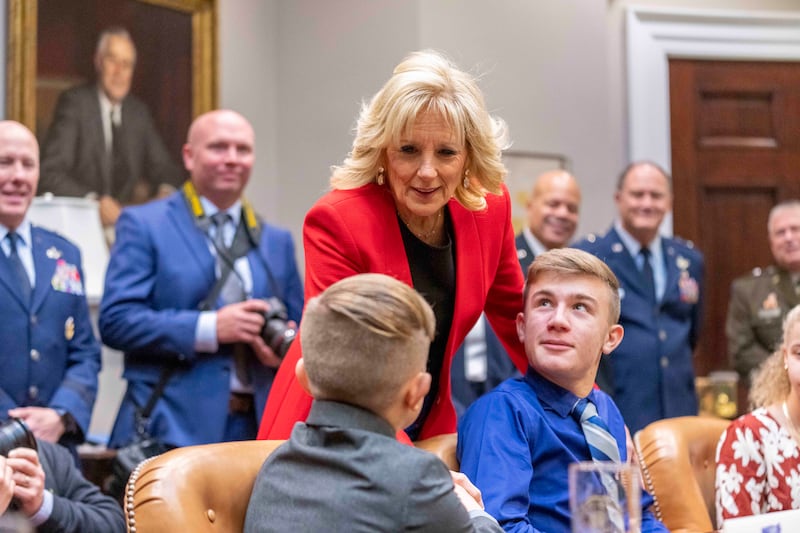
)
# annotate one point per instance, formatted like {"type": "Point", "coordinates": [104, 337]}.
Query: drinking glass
{"type": "Point", "coordinates": [604, 497]}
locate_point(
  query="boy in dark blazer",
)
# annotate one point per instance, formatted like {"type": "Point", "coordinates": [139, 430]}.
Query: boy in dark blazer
{"type": "Point", "coordinates": [365, 343]}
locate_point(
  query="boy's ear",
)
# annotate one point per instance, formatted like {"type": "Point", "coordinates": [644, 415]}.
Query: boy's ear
{"type": "Point", "coordinates": [521, 327]}
{"type": "Point", "coordinates": [416, 390]}
{"type": "Point", "coordinates": [302, 376]}
{"type": "Point", "coordinates": [614, 337]}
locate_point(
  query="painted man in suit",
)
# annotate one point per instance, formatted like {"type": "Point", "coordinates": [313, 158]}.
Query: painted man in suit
{"type": "Point", "coordinates": [760, 300]}
{"type": "Point", "coordinates": [165, 308]}
{"type": "Point", "coordinates": [50, 357]}
{"type": "Point", "coordinates": [103, 141]}
{"type": "Point", "coordinates": [651, 374]}
{"type": "Point", "coordinates": [552, 217]}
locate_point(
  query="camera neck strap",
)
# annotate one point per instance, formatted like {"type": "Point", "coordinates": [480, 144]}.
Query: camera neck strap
{"type": "Point", "coordinates": [247, 237]}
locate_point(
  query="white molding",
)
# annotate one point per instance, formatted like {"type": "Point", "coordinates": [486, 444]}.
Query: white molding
{"type": "Point", "coordinates": [656, 34]}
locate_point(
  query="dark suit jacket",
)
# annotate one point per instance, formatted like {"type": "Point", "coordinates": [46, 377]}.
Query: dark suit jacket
{"type": "Point", "coordinates": [354, 231]}
{"type": "Point", "coordinates": [651, 374]}
{"type": "Point", "coordinates": [160, 270]}
{"type": "Point", "coordinates": [50, 355]}
{"type": "Point", "coordinates": [78, 505]}
{"type": "Point", "coordinates": [499, 366]}
{"type": "Point", "coordinates": [754, 325]}
{"type": "Point", "coordinates": [344, 471]}
{"type": "Point", "coordinates": [74, 157]}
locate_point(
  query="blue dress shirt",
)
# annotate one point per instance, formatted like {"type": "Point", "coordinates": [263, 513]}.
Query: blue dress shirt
{"type": "Point", "coordinates": [515, 444]}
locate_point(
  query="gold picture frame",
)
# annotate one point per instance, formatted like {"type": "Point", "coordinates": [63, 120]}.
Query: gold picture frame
{"type": "Point", "coordinates": [21, 61]}
{"type": "Point", "coordinates": [523, 169]}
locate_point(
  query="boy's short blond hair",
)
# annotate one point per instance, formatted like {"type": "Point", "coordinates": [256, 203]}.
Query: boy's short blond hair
{"type": "Point", "coordinates": [363, 338]}
{"type": "Point", "coordinates": [574, 262]}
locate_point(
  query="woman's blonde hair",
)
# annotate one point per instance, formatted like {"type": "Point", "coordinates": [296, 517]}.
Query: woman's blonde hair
{"type": "Point", "coordinates": [770, 383]}
{"type": "Point", "coordinates": [427, 81]}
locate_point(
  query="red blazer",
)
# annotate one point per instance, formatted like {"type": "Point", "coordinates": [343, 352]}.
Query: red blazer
{"type": "Point", "coordinates": [350, 232]}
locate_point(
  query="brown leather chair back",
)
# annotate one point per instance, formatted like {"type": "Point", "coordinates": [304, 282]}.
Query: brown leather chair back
{"type": "Point", "coordinates": [678, 462]}
{"type": "Point", "coordinates": [207, 488]}
{"type": "Point", "coordinates": [196, 488]}
{"type": "Point", "coordinates": [443, 447]}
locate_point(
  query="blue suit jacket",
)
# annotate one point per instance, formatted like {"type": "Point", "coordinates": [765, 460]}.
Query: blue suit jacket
{"type": "Point", "coordinates": [651, 374]}
{"type": "Point", "coordinates": [160, 270]}
{"type": "Point", "coordinates": [50, 355]}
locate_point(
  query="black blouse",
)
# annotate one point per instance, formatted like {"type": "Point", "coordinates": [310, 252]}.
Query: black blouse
{"type": "Point", "coordinates": [433, 272]}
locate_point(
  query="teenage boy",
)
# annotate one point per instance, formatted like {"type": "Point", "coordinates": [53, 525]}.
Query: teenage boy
{"type": "Point", "coordinates": [517, 441]}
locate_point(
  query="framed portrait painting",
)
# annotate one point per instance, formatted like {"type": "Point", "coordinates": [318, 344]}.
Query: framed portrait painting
{"type": "Point", "coordinates": [523, 168]}
{"type": "Point", "coordinates": [51, 44]}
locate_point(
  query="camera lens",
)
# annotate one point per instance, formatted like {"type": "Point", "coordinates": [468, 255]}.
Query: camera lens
{"type": "Point", "coordinates": [15, 434]}
{"type": "Point", "coordinates": [276, 331]}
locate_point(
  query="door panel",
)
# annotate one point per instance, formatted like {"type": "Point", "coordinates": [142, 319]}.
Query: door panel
{"type": "Point", "coordinates": [735, 131]}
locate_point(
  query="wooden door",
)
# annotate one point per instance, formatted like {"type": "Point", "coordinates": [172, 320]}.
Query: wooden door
{"type": "Point", "coordinates": [735, 129]}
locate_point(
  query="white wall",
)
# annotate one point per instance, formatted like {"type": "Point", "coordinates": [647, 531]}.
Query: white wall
{"type": "Point", "coordinates": [554, 69]}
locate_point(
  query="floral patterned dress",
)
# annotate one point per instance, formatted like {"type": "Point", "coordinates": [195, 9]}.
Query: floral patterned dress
{"type": "Point", "coordinates": [758, 467]}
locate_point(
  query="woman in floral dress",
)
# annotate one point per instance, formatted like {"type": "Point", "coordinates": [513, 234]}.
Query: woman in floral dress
{"type": "Point", "coordinates": [758, 458]}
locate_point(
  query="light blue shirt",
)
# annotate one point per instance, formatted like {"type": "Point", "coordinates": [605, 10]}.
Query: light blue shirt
{"type": "Point", "coordinates": [206, 331]}
{"type": "Point", "coordinates": [656, 257]}
{"type": "Point", "coordinates": [24, 249]}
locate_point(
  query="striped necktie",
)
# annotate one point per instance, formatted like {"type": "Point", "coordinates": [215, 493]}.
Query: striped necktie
{"type": "Point", "coordinates": [602, 445]}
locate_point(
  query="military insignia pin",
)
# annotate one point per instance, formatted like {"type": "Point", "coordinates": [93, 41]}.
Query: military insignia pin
{"type": "Point", "coordinates": [53, 253]}
{"type": "Point", "coordinates": [522, 253]}
{"type": "Point", "coordinates": [770, 308]}
{"type": "Point", "coordinates": [689, 290]}
{"type": "Point", "coordinates": [67, 278]}
{"type": "Point", "coordinates": [682, 263]}
{"type": "Point", "coordinates": [69, 328]}
{"type": "Point", "coordinates": [616, 247]}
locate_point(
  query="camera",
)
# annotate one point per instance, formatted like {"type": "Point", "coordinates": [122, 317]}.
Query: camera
{"type": "Point", "coordinates": [277, 333]}
{"type": "Point", "coordinates": [14, 433]}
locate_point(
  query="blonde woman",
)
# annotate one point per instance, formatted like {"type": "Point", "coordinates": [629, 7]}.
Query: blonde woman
{"type": "Point", "coordinates": [420, 198]}
{"type": "Point", "coordinates": [758, 456]}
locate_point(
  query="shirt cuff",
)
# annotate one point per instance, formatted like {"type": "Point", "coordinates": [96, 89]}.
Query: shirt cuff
{"type": "Point", "coordinates": [41, 516]}
{"type": "Point", "coordinates": [475, 513]}
{"type": "Point", "coordinates": [205, 335]}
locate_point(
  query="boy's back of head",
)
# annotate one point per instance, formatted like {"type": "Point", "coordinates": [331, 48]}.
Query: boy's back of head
{"type": "Point", "coordinates": [363, 338]}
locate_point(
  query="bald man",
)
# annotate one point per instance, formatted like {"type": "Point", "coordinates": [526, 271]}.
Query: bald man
{"type": "Point", "coordinates": [552, 218]}
{"type": "Point", "coordinates": [184, 296]}
{"type": "Point", "coordinates": [50, 357]}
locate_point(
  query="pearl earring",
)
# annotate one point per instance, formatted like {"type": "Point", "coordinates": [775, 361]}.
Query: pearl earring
{"type": "Point", "coordinates": [379, 177]}
{"type": "Point", "coordinates": [466, 179]}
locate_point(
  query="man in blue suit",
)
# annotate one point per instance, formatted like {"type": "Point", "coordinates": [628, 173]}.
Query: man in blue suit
{"type": "Point", "coordinates": [651, 374]}
{"type": "Point", "coordinates": [165, 308]}
{"type": "Point", "coordinates": [552, 217]}
{"type": "Point", "coordinates": [50, 357]}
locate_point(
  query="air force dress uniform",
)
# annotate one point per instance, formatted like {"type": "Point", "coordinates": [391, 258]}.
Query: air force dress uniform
{"type": "Point", "coordinates": [651, 374]}
{"type": "Point", "coordinates": [759, 302]}
{"type": "Point", "coordinates": [51, 357]}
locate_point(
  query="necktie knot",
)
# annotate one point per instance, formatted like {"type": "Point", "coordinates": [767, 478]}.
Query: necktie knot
{"type": "Point", "coordinates": [13, 238]}
{"type": "Point", "coordinates": [220, 218]}
{"type": "Point", "coordinates": [580, 408]}
{"type": "Point", "coordinates": [602, 445]}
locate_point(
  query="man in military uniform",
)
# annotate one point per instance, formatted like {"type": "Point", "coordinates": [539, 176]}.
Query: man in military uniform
{"type": "Point", "coordinates": [552, 217]}
{"type": "Point", "coordinates": [761, 299]}
{"type": "Point", "coordinates": [650, 375]}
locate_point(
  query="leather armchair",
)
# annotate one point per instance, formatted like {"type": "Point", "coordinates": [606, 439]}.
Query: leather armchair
{"type": "Point", "coordinates": [196, 488]}
{"type": "Point", "coordinates": [678, 462]}
{"type": "Point", "coordinates": [207, 488]}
